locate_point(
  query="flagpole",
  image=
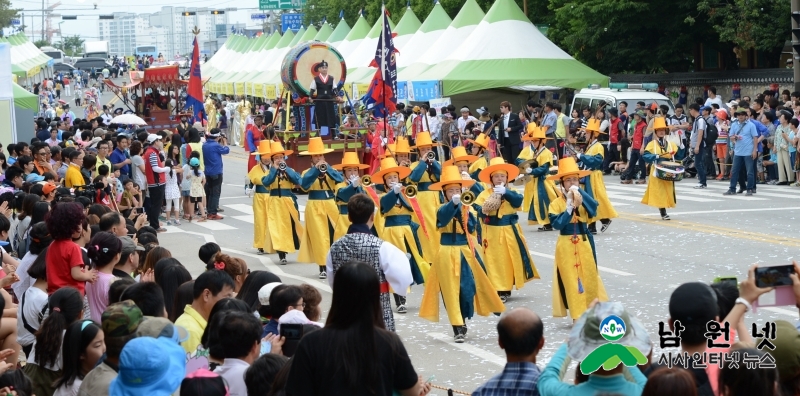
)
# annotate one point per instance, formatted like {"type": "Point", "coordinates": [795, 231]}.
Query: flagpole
{"type": "Point", "coordinates": [383, 70]}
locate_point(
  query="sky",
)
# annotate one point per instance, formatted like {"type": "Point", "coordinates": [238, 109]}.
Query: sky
{"type": "Point", "coordinates": [86, 24]}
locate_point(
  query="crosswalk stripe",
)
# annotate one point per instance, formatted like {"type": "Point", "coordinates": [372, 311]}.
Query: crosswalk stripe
{"type": "Point", "coordinates": [215, 225]}
{"type": "Point", "coordinates": [244, 208]}
{"type": "Point", "coordinates": [245, 218]}
{"type": "Point", "coordinates": [639, 198]}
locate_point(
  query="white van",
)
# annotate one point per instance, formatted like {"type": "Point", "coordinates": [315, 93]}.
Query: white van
{"type": "Point", "coordinates": [591, 97]}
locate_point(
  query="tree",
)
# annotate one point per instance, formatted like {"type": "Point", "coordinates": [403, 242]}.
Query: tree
{"type": "Point", "coordinates": [41, 43]}
{"type": "Point", "coordinates": [72, 45]}
{"type": "Point", "coordinates": [615, 36]}
{"type": "Point", "coordinates": [7, 13]}
{"type": "Point", "coordinates": [763, 25]}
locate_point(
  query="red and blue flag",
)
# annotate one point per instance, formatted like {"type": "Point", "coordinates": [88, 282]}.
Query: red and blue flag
{"type": "Point", "coordinates": [194, 93]}
{"type": "Point", "coordinates": [381, 98]}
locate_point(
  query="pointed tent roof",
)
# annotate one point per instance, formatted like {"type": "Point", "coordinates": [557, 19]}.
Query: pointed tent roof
{"type": "Point", "coordinates": [311, 32]}
{"type": "Point", "coordinates": [535, 63]}
{"type": "Point", "coordinates": [297, 36]}
{"type": "Point", "coordinates": [465, 22]}
{"type": "Point", "coordinates": [354, 38]}
{"type": "Point", "coordinates": [375, 32]}
{"type": "Point", "coordinates": [436, 22]}
{"type": "Point", "coordinates": [409, 23]}
{"type": "Point", "coordinates": [324, 32]}
{"type": "Point", "coordinates": [340, 33]}
{"type": "Point", "coordinates": [362, 55]}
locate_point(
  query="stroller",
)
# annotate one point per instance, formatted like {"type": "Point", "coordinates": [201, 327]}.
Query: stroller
{"type": "Point", "coordinates": [688, 165]}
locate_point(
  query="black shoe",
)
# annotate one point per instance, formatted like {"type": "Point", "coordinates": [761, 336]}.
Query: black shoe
{"type": "Point", "coordinates": [731, 192]}
{"type": "Point", "coordinates": [739, 191]}
{"type": "Point", "coordinates": [665, 217]}
{"type": "Point", "coordinates": [606, 223]}
{"type": "Point", "coordinates": [749, 193]}
{"type": "Point", "coordinates": [547, 227]}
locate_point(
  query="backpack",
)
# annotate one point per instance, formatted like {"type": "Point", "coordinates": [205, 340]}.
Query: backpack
{"type": "Point", "coordinates": [710, 134]}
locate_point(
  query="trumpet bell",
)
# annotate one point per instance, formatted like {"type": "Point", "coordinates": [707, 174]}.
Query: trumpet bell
{"type": "Point", "coordinates": [323, 168]}
{"type": "Point", "coordinates": [282, 166]}
{"type": "Point", "coordinates": [430, 156]}
{"type": "Point", "coordinates": [366, 180]}
{"type": "Point", "coordinates": [410, 191]}
{"type": "Point", "coordinates": [468, 198]}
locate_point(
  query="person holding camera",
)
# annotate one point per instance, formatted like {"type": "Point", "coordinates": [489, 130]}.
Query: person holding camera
{"type": "Point", "coordinates": [215, 147]}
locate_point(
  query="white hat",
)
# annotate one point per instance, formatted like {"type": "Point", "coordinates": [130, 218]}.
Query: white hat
{"type": "Point", "coordinates": [153, 137]}
{"type": "Point", "coordinates": [482, 110]}
{"type": "Point", "coordinates": [296, 316]}
{"type": "Point", "coordinates": [732, 103]}
{"type": "Point", "coordinates": [265, 291]}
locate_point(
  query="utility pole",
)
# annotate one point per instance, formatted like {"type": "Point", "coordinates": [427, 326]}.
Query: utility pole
{"type": "Point", "coordinates": [796, 42]}
{"type": "Point", "coordinates": [43, 10]}
{"type": "Point", "coordinates": [525, 7]}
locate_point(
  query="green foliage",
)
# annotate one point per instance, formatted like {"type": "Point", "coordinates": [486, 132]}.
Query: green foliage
{"type": "Point", "coordinates": [7, 13]}
{"type": "Point", "coordinates": [41, 43]}
{"type": "Point", "coordinates": [764, 25]}
{"type": "Point", "coordinates": [614, 36]}
{"type": "Point", "coordinates": [73, 45]}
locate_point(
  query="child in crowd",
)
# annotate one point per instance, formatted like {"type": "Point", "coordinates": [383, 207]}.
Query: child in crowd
{"type": "Point", "coordinates": [105, 250]}
{"type": "Point", "coordinates": [84, 346]}
{"type": "Point", "coordinates": [723, 125]}
{"type": "Point", "coordinates": [129, 200]}
{"type": "Point", "coordinates": [197, 193]}
{"type": "Point", "coordinates": [172, 193]}
{"type": "Point", "coordinates": [186, 186]}
{"type": "Point", "coordinates": [65, 265]}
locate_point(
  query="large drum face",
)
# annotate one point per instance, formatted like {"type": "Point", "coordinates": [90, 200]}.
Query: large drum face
{"type": "Point", "coordinates": [298, 68]}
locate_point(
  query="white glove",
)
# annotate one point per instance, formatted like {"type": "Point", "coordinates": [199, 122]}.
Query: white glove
{"type": "Point", "coordinates": [385, 140]}
{"type": "Point", "coordinates": [455, 199]}
{"type": "Point", "coordinates": [570, 206]}
{"type": "Point", "coordinates": [465, 174]}
{"type": "Point", "coordinates": [354, 180]}
{"type": "Point", "coordinates": [397, 187]}
{"type": "Point", "coordinates": [248, 191]}
{"type": "Point", "coordinates": [578, 155]}
{"type": "Point", "coordinates": [528, 170]}
{"type": "Point", "coordinates": [500, 190]}
{"type": "Point", "coordinates": [574, 188]}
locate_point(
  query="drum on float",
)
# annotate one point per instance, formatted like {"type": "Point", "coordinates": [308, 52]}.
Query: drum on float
{"type": "Point", "coordinates": [298, 68]}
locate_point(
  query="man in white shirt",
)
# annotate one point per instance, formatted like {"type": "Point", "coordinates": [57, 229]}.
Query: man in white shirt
{"type": "Point", "coordinates": [240, 347]}
{"type": "Point", "coordinates": [714, 98]}
{"type": "Point", "coordinates": [465, 119]}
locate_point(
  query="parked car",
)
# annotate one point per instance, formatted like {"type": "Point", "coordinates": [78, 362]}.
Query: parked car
{"type": "Point", "coordinates": [86, 64]}
{"type": "Point", "coordinates": [64, 68]}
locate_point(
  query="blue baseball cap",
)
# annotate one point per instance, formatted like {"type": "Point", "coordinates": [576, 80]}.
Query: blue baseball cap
{"type": "Point", "coordinates": [194, 162]}
{"type": "Point", "coordinates": [149, 366]}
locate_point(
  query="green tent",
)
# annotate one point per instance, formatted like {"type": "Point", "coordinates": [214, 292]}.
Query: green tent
{"type": "Point", "coordinates": [324, 32]}
{"type": "Point", "coordinates": [25, 99]}
{"type": "Point", "coordinates": [340, 33]}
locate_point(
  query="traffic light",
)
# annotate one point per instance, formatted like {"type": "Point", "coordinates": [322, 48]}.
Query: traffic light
{"type": "Point", "coordinates": [106, 17]}
{"type": "Point", "coordinates": [69, 17]}
{"type": "Point", "coordinates": [189, 13]}
{"type": "Point", "coordinates": [218, 12]}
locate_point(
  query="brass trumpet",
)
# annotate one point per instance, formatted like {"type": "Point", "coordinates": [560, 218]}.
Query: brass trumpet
{"type": "Point", "coordinates": [468, 198]}
{"type": "Point", "coordinates": [430, 156]}
{"type": "Point", "coordinates": [410, 191]}
{"type": "Point", "coordinates": [282, 167]}
{"type": "Point", "coordinates": [366, 180]}
{"type": "Point", "coordinates": [323, 167]}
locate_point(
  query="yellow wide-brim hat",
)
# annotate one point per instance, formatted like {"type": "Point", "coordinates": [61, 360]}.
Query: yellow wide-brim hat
{"type": "Point", "coordinates": [389, 165]}
{"type": "Point", "coordinates": [276, 148]}
{"type": "Point", "coordinates": [401, 146]}
{"type": "Point", "coordinates": [534, 132]}
{"type": "Point", "coordinates": [451, 175]}
{"type": "Point", "coordinates": [316, 147]}
{"type": "Point", "coordinates": [568, 167]}
{"type": "Point", "coordinates": [460, 154]}
{"type": "Point", "coordinates": [497, 164]}
{"type": "Point", "coordinates": [389, 152]}
{"type": "Point", "coordinates": [350, 160]}
{"type": "Point", "coordinates": [481, 140]}
{"type": "Point", "coordinates": [424, 139]}
{"type": "Point", "coordinates": [263, 148]}
{"type": "Point", "coordinates": [659, 123]}
{"type": "Point", "coordinates": [593, 125]}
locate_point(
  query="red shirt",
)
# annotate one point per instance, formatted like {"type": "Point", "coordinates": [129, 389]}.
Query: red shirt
{"type": "Point", "coordinates": [638, 135]}
{"type": "Point", "coordinates": [613, 131]}
{"type": "Point", "coordinates": [62, 255]}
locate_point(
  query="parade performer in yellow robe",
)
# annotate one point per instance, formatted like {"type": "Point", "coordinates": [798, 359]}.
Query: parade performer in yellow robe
{"type": "Point", "coordinates": [480, 149]}
{"type": "Point", "coordinates": [398, 228]}
{"type": "Point", "coordinates": [261, 239]}
{"type": "Point", "coordinates": [321, 212]}
{"type": "Point", "coordinates": [351, 168]}
{"type": "Point", "coordinates": [660, 193]}
{"type": "Point", "coordinates": [592, 159]}
{"type": "Point", "coordinates": [425, 172]}
{"type": "Point", "coordinates": [211, 113]}
{"type": "Point", "coordinates": [508, 261]}
{"type": "Point", "coordinates": [283, 218]}
{"type": "Point", "coordinates": [461, 160]}
{"type": "Point", "coordinates": [458, 272]}
{"type": "Point", "coordinates": [576, 280]}
{"type": "Point", "coordinates": [539, 191]}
